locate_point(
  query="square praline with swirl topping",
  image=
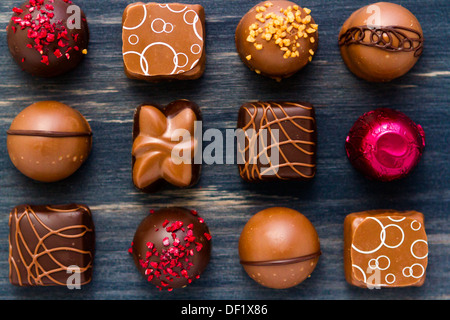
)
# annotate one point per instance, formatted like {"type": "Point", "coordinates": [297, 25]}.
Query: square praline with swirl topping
{"type": "Point", "coordinates": [278, 141]}
{"type": "Point", "coordinates": [163, 41]}
{"type": "Point", "coordinates": [51, 245]}
{"type": "Point", "coordinates": [166, 145]}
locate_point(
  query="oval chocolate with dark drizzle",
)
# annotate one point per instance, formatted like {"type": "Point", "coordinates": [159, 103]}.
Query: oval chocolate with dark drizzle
{"type": "Point", "coordinates": [381, 42]}
{"type": "Point", "coordinates": [389, 38]}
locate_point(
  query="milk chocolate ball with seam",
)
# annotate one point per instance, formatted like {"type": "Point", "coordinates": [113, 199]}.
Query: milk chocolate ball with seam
{"type": "Point", "coordinates": [381, 42]}
{"type": "Point", "coordinates": [279, 248]}
{"type": "Point", "coordinates": [48, 38]}
{"type": "Point", "coordinates": [277, 38]}
{"type": "Point", "coordinates": [48, 141]}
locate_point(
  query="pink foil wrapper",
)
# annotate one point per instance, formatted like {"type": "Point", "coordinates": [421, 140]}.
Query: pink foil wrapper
{"type": "Point", "coordinates": [385, 144]}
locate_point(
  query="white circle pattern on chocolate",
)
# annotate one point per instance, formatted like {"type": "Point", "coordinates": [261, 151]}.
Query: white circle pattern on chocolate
{"type": "Point", "coordinates": [193, 23]}
{"type": "Point", "coordinates": [416, 228]}
{"type": "Point", "coordinates": [389, 281]}
{"type": "Point", "coordinates": [388, 258]}
{"type": "Point", "coordinates": [159, 26]}
{"type": "Point", "coordinates": [198, 49]}
{"type": "Point", "coordinates": [167, 6]}
{"type": "Point", "coordinates": [141, 23]}
{"type": "Point", "coordinates": [384, 236]}
{"type": "Point", "coordinates": [377, 263]}
{"type": "Point", "coordinates": [167, 27]}
{"type": "Point", "coordinates": [410, 271]}
{"type": "Point", "coordinates": [412, 249]}
{"type": "Point", "coordinates": [134, 37]}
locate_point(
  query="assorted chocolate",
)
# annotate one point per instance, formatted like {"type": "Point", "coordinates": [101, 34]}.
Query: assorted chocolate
{"type": "Point", "coordinates": [280, 141]}
{"type": "Point", "coordinates": [48, 38]}
{"type": "Point", "coordinates": [48, 244]}
{"type": "Point", "coordinates": [163, 41]}
{"type": "Point", "coordinates": [48, 141]}
{"type": "Point", "coordinates": [171, 247]}
{"type": "Point", "coordinates": [381, 41]}
{"type": "Point", "coordinates": [277, 38]}
{"type": "Point", "coordinates": [164, 145]}
{"type": "Point", "coordinates": [385, 248]}
{"type": "Point", "coordinates": [385, 145]}
{"type": "Point", "coordinates": [279, 248]}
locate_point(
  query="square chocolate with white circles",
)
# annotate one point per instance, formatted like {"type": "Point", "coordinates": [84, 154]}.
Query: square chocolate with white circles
{"type": "Point", "coordinates": [163, 41]}
{"type": "Point", "coordinates": [385, 248]}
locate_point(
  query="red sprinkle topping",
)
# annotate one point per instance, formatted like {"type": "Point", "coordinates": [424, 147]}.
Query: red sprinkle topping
{"type": "Point", "coordinates": [173, 261]}
{"type": "Point", "coordinates": [41, 30]}
{"type": "Point", "coordinates": [207, 236]}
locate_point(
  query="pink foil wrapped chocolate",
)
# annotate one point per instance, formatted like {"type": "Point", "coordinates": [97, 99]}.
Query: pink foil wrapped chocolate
{"type": "Point", "coordinates": [385, 144]}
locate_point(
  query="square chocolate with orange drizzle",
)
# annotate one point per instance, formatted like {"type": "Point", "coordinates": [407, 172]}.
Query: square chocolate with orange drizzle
{"type": "Point", "coordinates": [163, 41]}
{"type": "Point", "coordinates": [279, 141]}
{"type": "Point", "coordinates": [51, 245]}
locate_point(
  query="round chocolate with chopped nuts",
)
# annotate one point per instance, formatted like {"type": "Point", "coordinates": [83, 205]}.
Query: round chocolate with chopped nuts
{"type": "Point", "coordinates": [171, 247]}
{"type": "Point", "coordinates": [48, 38]}
{"type": "Point", "coordinates": [277, 38]}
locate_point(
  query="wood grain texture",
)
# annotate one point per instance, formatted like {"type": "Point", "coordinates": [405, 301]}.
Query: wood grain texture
{"type": "Point", "coordinates": [100, 90]}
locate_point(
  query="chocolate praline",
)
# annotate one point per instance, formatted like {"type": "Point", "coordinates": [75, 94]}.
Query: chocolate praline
{"type": "Point", "coordinates": [156, 157]}
{"type": "Point", "coordinates": [381, 42]}
{"type": "Point", "coordinates": [171, 247]}
{"type": "Point", "coordinates": [50, 244]}
{"type": "Point", "coordinates": [48, 38]}
{"type": "Point", "coordinates": [279, 247]}
{"type": "Point", "coordinates": [385, 144]}
{"type": "Point", "coordinates": [289, 131]}
{"type": "Point", "coordinates": [164, 41]}
{"type": "Point", "coordinates": [385, 248]}
{"type": "Point", "coordinates": [48, 141]}
{"type": "Point", "coordinates": [277, 38]}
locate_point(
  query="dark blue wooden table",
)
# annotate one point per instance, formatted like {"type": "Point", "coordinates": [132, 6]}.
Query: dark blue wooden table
{"type": "Point", "coordinates": [102, 92]}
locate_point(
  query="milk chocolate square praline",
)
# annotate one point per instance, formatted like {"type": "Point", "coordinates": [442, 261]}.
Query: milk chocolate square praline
{"type": "Point", "coordinates": [163, 41]}
{"type": "Point", "coordinates": [385, 248]}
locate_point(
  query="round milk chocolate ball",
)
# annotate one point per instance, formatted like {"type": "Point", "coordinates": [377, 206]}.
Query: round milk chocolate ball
{"type": "Point", "coordinates": [279, 248]}
{"type": "Point", "coordinates": [48, 37]}
{"type": "Point", "coordinates": [277, 38]}
{"type": "Point", "coordinates": [171, 247]}
{"type": "Point", "coordinates": [48, 141]}
{"type": "Point", "coordinates": [381, 42]}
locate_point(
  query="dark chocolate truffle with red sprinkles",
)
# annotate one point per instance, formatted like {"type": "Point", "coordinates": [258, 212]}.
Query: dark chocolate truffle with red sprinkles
{"type": "Point", "coordinates": [171, 247]}
{"type": "Point", "coordinates": [48, 38]}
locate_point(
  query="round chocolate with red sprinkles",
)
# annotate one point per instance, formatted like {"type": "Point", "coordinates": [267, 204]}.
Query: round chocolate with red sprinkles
{"type": "Point", "coordinates": [171, 247]}
{"type": "Point", "coordinates": [48, 38]}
